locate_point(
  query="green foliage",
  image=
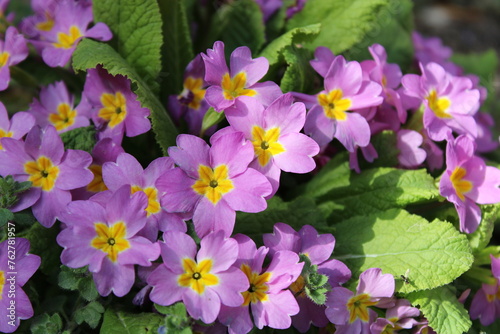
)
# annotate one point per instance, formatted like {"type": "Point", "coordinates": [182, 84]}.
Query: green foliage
{"type": "Point", "coordinates": [45, 324]}
{"type": "Point", "coordinates": [483, 64]}
{"type": "Point", "coordinates": [5, 216]}
{"type": "Point", "coordinates": [238, 23]}
{"type": "Point", "coordinates": [137, 34]}
{"type": "Point", "coordinates": [343, 23]}
{"type": "Point", "coordinates": [9, 189]}
{"type": "Point", "coordinates": [299, 74]}
{"type": "Point", "coordinates": [42, 241]}
{"type": "Point", "coordinates": [385, 144]}
{"type": "Point", "coordinates": [119, 322]}
{"type": "Point", "coordinates": [80, 139]}
{"type": "Point", "coordinates": [80, 280]}
{"type": "Point", "coordinates": [177, 47]}
{"type": "Point", "coordinates": [481, 237]}
{"type": "Point", "coordinates": [210, 119]}
{"type": "Point", "coordinates": [441, 307]}
{"type": "Point", "coordinates": [396, 241]}
{"type": "Point", "coordinates": [90, 53]}
{"type": "Point", "coordinates": [90, 314]}
{"type": "Point", "coordinates": [176, 320]}
{"type": "Point", "coordinates": [315, 284]}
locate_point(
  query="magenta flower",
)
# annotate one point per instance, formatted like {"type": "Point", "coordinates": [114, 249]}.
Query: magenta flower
{"type": "Point", "coordinates": [42, 20]}
{"type": "Point", "coordinates": [485, 123]}
{"type": "Point", "coordinates": [115, 108]}
{"type": "Point", "coordinates": [213, 182]}
{"type": "Point", "coordinates": [190, 105]}
{"type": "Point", "coordinates": [274, 133]}
{"type": "Point", "coordinates": [350, 312]}
{"type": "Point", "coordinates": [330, 115]}
{"type": "Point", "coordinates": [267, 299]}
{"type": "Point", "coordinates": [269, 7]}
{"type": "Point", "coordinates": [485, 305]}
{"type": "Point", "coordinates": [52, 171]}
{"type": "Point", "coordinates": [128, 171]}
{"type": "Point", "coordinates": [70, 25]}
{"type": "Point", "coordinates": [204, 279]}
{"type": "Point", "coordinates": [240, 79]}
{"type": "Point", "coordinates": [56, 107]}
{"type": "Point", "coordinates": [105, 239]}
{"type": "Point", "coordinates": [13, 50]}
{"type": "Point", "coordinates": [467, 181]}
{"type": "Point", "coordinates": [450, 102]}
{"type": "Point", "coordinates": [318, 249]}
{"type": "Point", "coordinates": [17, 127]}
{"type": "Point", "coordinates": [432, 50]}
{"type": "Point", "coordinates": [14, 273]}
{"type": "Point", "coordinates": [408, 144]}
{"type": "Point", "coordinates": [401, 316]}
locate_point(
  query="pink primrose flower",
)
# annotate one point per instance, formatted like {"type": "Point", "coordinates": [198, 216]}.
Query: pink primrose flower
{"type": "Point", "coordinates": [16, 127]}
{"type": "Point", "coordinates": [13, 50]}
{"type": "Point", "coordinates": [485, 305]}
{"type": "Point", "coordinates": [401, 316]}
{"type": "Point", "coordinates": [410, 153]}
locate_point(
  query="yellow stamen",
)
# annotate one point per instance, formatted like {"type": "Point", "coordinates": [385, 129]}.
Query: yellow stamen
{"type": "Point", "coordinates": [115, 108]}
{"type": "Point", "coordinates": [197, 276]}
{"type": "Point", "coordinates": [4, 58]}
{"type": "Point", "coordinates": [46, 25]}
{"type": "Point", "coordinates": [234, 87]}
{"type": "Point", "coordinates": [64, 118]}
{"type": "Point", "coordinates": [4, 134]}
{"type": "Point", "coordinates": [97, 183]}
{"type": "Point", "coordinates": [461, 186]}
{"type": "Point", "coordinates": [111, 240]}
{"type": "Point", "coordinates": [193, 89]}
{"type": "Point", "coordinates": [213, 183]}
{"type": "Point", "coordinates": [67, 41]}
{"type": "Point", "coordinates": [334, 105]}
{"type": "Point", "coordinates": [2, 283]}
{"type": "Point", "coordinates": [42, 173]}
{"type": "Point", "coordinates": [257, 292]}
{"type": "Point", "coordinates": [439, 105]}
{"type": "Point", "coordinates": [265, 144]}
{"type": "Point", "coordinates": [358, 307]}
{"type": "Point", "coordinates": [152, 193]}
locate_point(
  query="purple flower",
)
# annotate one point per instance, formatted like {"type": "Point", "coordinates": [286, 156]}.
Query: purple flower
{"type": "Point", "coordinates": [267, 299]}
{"type": "Point", "coordinates": [105, 239]}
{"type": "Point", "coordinates": [42, 20]}
{"type": "Point", "coordinates": [269, 7]}
{"type": "Point", "coordinates": [350, 312]}
{"type": "Point", "coordinates": [115, 108]}
{"type": "Point", "coordinates": [71, 21]}
{"type": "Point", "coordinates": [17, 127]}
{"type": "Point", "coordinates": [15, 270]}
{"type": "Point", "coordinates": [204, 279]}
{"type": "Point", "coordinates": [13, 50]}
{"type": "Point", "coordinates": [410, 154]}
{"type": "Point", "coordinates": [485, 123]}
{"type": "Point", "coordinates": [240, 79]}
{"type": "Point", "coordinates": [213, 182]}
{"type": "Point", "coordinates": [467, 181]}
{"type": "Point", "coordinates": [345, 90]}
{"type": "Point", "coordinates": [56, 107]}
{"type": "Point", "coordinates": [52, 171]}
{"type": "Point", "coordinates": [432, 50]}
{"type": "Point", "coordinates": [274, 133]}
{"type": "Point", "coordinates": [485, 305]}
{"type": "Point", "coordinates": [318, 249]}
{"type": "Point", "coordinates": [401, 316]}
{"type": "Point", "coordinates": [128, 171]}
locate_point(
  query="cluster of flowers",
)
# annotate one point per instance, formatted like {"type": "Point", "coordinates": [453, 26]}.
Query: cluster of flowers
{"type": "Point", "coordinates": [112, 210]}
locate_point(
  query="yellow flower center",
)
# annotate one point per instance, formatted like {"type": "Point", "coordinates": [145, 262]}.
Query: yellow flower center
{"type": "Point", "coordinates": [234, 87]}
{"type": "Point", "coordinates": [213, 183]}
{"type": "Point", "coordinates": [67, 41]}
{"type": "Point", "coordinates": [298, 286]}
{"type": "Point", "coordinates": [115, 108]}
{"type": "Point", "coordinates": [111, 240]}
{"type": "Point", "coordinates": [439, 105]}
{"type": "Point", "coordinates": [97, 183]}
{"type": "Point", "coordinates": [334, 105]}
{"type": "Point", "coordinates": [46, 25]}
{"type": "Point", "coordinates": [4, 58]}
{"type": "Point", "coordinates": [197, 276]}
{"type": "Point", "coordinates": [4, 134]}
{"type": "Point", "coordinates": [358, 307]}
{"type": "Point", "coordinates": [152, 193]}
{"type": "Point", "coordinates": [265, 143]}
{"type": "Point", "coordinates": [2, 283]}
{"type": "Point", "coordinates": [42, 173]}
{"type": "Point", "coordinates": [193, 92]}
{"type": "Point", "coordinates": [257, 292]}
{"type": "Point", "coordinates": [65, 117]}
{"type": "Point", "coordinates": [461, 186]}
{"type": "Point", "coordinates": [494, 297]}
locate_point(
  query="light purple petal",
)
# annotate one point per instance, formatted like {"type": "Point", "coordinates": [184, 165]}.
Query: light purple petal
{"type": "Point", "coordinates": [179, 195]}
{"type": "Point", "coordinates": [241, 61]}
{"type": "Point", "coordinates": [73, 172]}
{"type": "Point", "coordinates": [249, 191]}
{"type": "Point", "coordinates": [141, 252]}
{"type": "Point", "coordinates": [50, 205]}
{"type": "Point", "coordinates": [204, 306]}
{"type": "Point", "coordinates": [114, 278]}
{"type": "Point", "coordinates": [222, 251]}
{"type": "Point", "coordinates": [275, 312]}
{"type": "Point", "coordinates": [232, 283]}
{"type": "Point", "coordinates": [99, 31]}
{"type": "Point", "coordinates": [352, 132]}
{"type": "Point", "coordinates": [208, 217]}
{"type": "Point", "coordinates": [267, 92]}
{"type": "Point", "coordinates": [166, 289]}
{"type": "Point", "coordinates": [232, 150]}
{"type": "Point", "coordinates": [190, 153]}
{"type": "Point", "coordinates": [177, 246]}
{"type": "Point", "coordinates": [299, 150]}
{"type": "Point", "coordinates": [283, 113]}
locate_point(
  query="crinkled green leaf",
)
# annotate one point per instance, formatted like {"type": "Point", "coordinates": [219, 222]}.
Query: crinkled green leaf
{"type": "Point", "coordinates": [318, 296]}
{"type": "Point", "coordinates": [90, 313]}
{"type": "Point", "coordinates": [177, 47]}
{"type": "Point", "coordinates": [443, 310]}
{"type": "Point", "coordinates": [434, 253]}
{"type": "Point", "coordinates": [480, 238]}
{"type": "Point", "coordinates": [176, 318]}
{"type": "Point", "coordinates": [5, 216]}
{"type": "Point", "coordinates": [238, 23]}
{"type": "Point", "coordinates": [137, 34]}
{"type": "Point", "coordinates": [90, 53]}
{"type": "Point", "coordinates": [299, 75]}
{"type": "Point", "coordinates": [9, 188]}
{"type": "Point", "coordinates": [118, 322]}
{"type": "Point", "coordinates": [293, 37]}
{"type": "Point", "coordinates": [45, 324]}
{"type": "Point", "coordinates": [80, 138]}
{"type": "Point", "coordinates": [343, 23]}
{"type": "Point", "coordinates": [78, 279]}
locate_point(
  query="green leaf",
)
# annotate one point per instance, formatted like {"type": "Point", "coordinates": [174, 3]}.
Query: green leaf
{"type": "Point", "coordinates": [318, 296]}
{"type": "Point", "coordinates": [385, 144]}
{"type": "Point", "coordinates": [343, 23]}
{"type": "Point", "coordinates": [441, 307]}
{"type": "Point", "coordinates": [45, 324]}
{"type": "Point", "coordinates": [5, 216]}
{"type": "Point", "coordinates": [238, 23]}
{"type": "Point", "coordinates": [137, 34]}
{"type": "Point", "coordinates": [299, 35]}
{"type": "Point", "coordinates": [372, 190]}
{"type": "Point", "coordinates": [78, 279]}
{"type": "Point", "coordinates": [480, 238]}
{"type": "Point", "coordinates": [299, 75]}
{"type": "Point", "coordinates": [118, 322]}
{"type": "Point", "coordinates": [9, 188]}
{"type": "Point", "coordinates": [176, 318]}
{"type": "Point", "coordinates": [177, 47]}
{"type": "Point", "coordinates": [90, 53]}
{"type": "Point", "coordinates": [396, 241]}
{"type": "Point", "coordinates": [80, 138]}
{"type": "Point", "coordinates": [90, 313]}
{"type": "Point", "coordinates": [210, 119]}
